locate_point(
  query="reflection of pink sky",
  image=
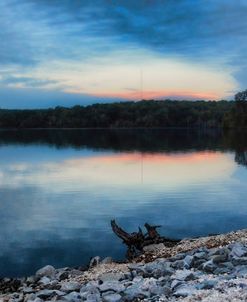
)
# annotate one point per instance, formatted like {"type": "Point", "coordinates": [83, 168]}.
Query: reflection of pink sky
{"type": "Point", "coordinates": [137, 95]}
{"type": "Point", "coordinates": [159, 157]}
{"type": "Point", "coordinates": [123, 170]}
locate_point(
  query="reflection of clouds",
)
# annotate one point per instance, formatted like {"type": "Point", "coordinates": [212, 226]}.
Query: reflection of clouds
{"type": "Point", "coordinates": [124, 170]}
{"type": "Point", "coordinates": [58, 210]}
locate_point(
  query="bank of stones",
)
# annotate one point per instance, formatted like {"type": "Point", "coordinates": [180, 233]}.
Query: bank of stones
{"type": "Point", "coordinates": [201, 274]}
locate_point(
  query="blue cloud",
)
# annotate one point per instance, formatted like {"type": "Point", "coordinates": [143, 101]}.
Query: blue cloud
{"type": "Point", "coordinates": [34, 32]}
{"type": "Point", "coordinates": [29, 98]}
{"type": "Point", "coordinates": [72, 29]}
{"type": "Point", "coordinates": [27, 81]}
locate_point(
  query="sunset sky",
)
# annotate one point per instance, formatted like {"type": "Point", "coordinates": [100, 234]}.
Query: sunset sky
{"type": "Point", "coordinates": [67, 52]}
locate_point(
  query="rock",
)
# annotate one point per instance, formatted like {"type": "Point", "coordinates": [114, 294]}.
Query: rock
{"type": "Point", "coordinates": [138, 279]}
{"type": "Point", "coordinates": [188, 260]}
{"type": "Point", "coordinates": [238, 250]}
{"type": "Point", "coordinates": [179, 256]}
{"type": "Point", "coordinates": [134, 292]}
{"type": "Point", "coordinates": [158, 269]}
{"type": "Point", "coordinates": [137, 269]}
{"type": "Point", "coordinates": [240, 271]}
{"type": "Point", "coordinates": [93, 298]}
{"type": "Point", "coordinates": [223, 268]}
{"type": "Point", "coordinates": [109, 292]}
{"type": "Point", "coordinates": [175, 283]}
{"type": "Point", "coordinates": [94, 261]}
{"type": "Point", "coordinates": [90, 292]}
{"type": "Point", "coordinates": [112, 298]}
{"type": "Point", "coordinates": [31, 297]}
{"type": "Point", "coordinates": [209, 266]}
{"type": "Point", "coordinates": [239, 261]}
{"type": "Point", "coordinates": [115, 286]}
{"type": "Point", "coordinates": [90, 288]}
{"type": "Point", "coordinates": [111, 277]}
{"type": "Point", "coordinates": [228, 265]}
{"type": "Point", "coordinates": [74, 273]}
{"type": "Point", "coordinates": [46, 293]}
{"type": "Point", "coordinates": [200, 255]}
{"type": "Point", "coordinates": [219, 251]}
{"type": "Point", "coordinates": [150, 285]}
{"type": "Point", "coordinates": [28, 290]}
{"type": "Point", "coordinates": [198, 263]}
{"type": "Point", "coordinates": [183, 275]}
{"type": "Point", "coordinates": [207, 284]}
{"type": "Point", "coordinates": [31, 280]}
{"type": "Point", "coordinates": [179, 264]}
{"type": "Point", "coordinates": [70, 286]}
{"type": "Point", "coordinates": [72, 297]}
{"type": "Point", "coordinates": [153, 247]}
{"type": "Point", "coordinates": [38, 300]}
{"type": "Point", "coordinates": [107, 260]}
{"type": "Point", "coordinates": [62, 275]}
{"type": "Point", "coordinates": [219, 258]}
{"type": "Point", "coordinates": [127, 276]}
{"type": "Point", "coordinates": [184, 290]}
{"type": "Point", "coordinates": [44, 280]}
{"type": "Point", "coordinates": [46, 271]}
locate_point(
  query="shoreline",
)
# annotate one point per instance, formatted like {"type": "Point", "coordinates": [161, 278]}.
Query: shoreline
{"type": "Point", "coordinates": [193, 269]}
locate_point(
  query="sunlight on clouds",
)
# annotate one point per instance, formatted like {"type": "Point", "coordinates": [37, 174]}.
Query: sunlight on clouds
{"type": "Point", "coordinates": [119, 75]}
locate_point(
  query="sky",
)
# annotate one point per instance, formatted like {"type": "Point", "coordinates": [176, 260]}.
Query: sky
{"type": "Point", "coordinates": [68, 52]}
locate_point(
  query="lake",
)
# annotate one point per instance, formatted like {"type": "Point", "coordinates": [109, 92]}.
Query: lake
{"type": "Point", "coordinates": [60, 188]}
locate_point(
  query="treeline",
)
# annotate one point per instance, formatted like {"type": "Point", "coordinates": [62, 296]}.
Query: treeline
{"type": "Point", "coordinates": [204, 114]}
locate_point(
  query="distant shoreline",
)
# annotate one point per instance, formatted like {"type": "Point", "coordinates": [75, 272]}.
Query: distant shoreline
{"type": "Point", "coordinates": [118, 128]}
{"type": "Point", "coordinates": [124, 115]}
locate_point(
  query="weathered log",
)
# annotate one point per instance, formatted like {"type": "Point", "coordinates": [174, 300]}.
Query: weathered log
{"type": "Point", "coordinates": [134, 239]}
{"type": "Point", "coordinates": [137, 240]}
{"type": "Point", "coordinates": [152, 233]}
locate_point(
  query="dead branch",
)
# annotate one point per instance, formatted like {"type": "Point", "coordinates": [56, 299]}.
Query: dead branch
{"type": "Point", "coordinates": [137, 240]}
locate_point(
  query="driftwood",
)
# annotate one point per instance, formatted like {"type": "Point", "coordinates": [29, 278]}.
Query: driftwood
{"type": "Point", "coordinates": [137, 240]}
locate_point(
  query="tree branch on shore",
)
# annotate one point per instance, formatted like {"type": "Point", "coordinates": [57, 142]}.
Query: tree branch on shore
{"type": "Point", "coordinates": [136, 241]}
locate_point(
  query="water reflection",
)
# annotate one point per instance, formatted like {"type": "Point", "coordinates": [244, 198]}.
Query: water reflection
{"type": "Point", "coordinates": [59, 190]}
{"type": "Point", "coordinates": [241, 157]}
{"type": "Point", "coordinates": [124, 170]}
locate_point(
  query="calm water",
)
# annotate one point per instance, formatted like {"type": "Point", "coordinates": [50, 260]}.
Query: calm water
{"type": "Point", "coordinates": [59, 190]}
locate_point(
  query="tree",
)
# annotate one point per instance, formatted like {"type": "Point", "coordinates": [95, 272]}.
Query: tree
{"type": "Point", "coordinates": [240, 112]}
{"type": "Point", "coordinates": [241, 96]}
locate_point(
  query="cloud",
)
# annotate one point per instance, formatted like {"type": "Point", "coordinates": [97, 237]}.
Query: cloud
{"type": "Point", "coordinates": [161, 77]}
{"type": "Point", "coordinates": [66, 29]}
{"type": "Point", "coordinates": [27, 82]}
{"type": "Point", "coordinates": [28, 98]}
{"type": "Point", "coordinates": [37, 34]}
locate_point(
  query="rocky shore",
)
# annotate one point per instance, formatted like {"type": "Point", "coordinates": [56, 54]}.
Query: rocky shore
{"type": "Point", "coordinates": [205, 269]}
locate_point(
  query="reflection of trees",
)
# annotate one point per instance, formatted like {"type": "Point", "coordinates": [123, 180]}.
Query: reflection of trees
{"type": "Point", "coordinates": [134, 140]}
{"type": "Point", "coordinates": [144, 140]}
{"type": "Point", "coordinates": [241, 157]}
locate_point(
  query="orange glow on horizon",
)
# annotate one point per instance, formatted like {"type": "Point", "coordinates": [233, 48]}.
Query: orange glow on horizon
{"type": "Point", "coordinates": [137, 95]}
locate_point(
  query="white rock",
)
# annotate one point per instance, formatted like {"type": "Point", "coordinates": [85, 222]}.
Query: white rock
{"type": "Point", "coordinates": [70, 286]}
{"type": "Point", "coordinates": [46, 271]}
{"type": "Point", "coordinates": [112, 298]}
{"type": "Point", "coordinates": [112, 285]}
